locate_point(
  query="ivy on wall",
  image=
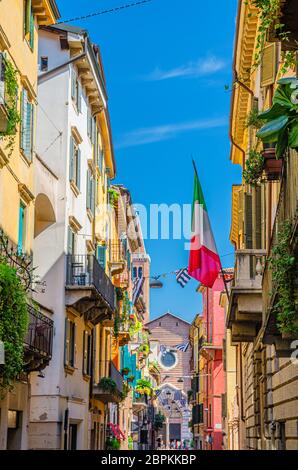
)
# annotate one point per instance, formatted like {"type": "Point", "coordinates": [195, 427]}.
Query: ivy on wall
{"type": "Point", "coordinates": [13, 325]}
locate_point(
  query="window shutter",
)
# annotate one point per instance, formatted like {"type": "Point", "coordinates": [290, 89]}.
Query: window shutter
{"type": "Point", "coordinates": [73, 84]}
{"type": "Point", "coordinates": [31, 39]}
{"type": "Point", "coordinates": [28, 132]}
{"type": "Point", "coordinates": [258, 217]}
{"type": "Point", "coordinates": [78, 175]}
{"type": "Point", "coordinates": [88, 190]}
{"type": "Point", "coordinates": [92, 196]}
{"type": "Point", "coordinates": [101, 256]}
{"type": "Point", "coordinates": [71, 159]}
{"type": "Point", "coordinates": [69, 241]}
{"type": "Point", "coordinates": [79, 103]}
{"type": "Point", "coordinates": [66, 342]}
{"type": "Point", "coordinates": [248, 221]}
{"type": "Point", "coordinates": [88, 123]}
{"type": "Point", "coordinates": [85, 352]}
{"type": "Point", "coordinates": [269, 65]}
{"type": "Point", "coordinates": [2, 79]}
{"type": "Point", "coordinates": [24, 108]}
{"type": "Point", "coordinates": [74, 345]}
{"type": "Point", "coordinates": [27, 18]}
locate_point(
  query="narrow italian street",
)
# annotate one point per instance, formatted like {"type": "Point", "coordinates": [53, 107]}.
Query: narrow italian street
{"type": "Point", "coordinates": [148, 228]}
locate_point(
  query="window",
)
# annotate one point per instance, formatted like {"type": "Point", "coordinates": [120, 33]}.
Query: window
{"type": "Point", "coordinates": [90, 193]}
{"type": "Point", "coordinates": [101, 255]}
{"type": "Point", "coordinates": [76, 90]}
{"type": "Point", "coordinates": [71, 242]}
{"type": "Point", "coordinates": [22, 228]}
{"type": "Point", "coordinates": [72, 436]}
{"type": "Point", "coordinates": [44, 64]}
{"type": "Point", "coordinates": [29, 23]}
{"type": "Point", "coordinates": [27, 122]}
{"type": "Point", "coordinates": [168, 359]}
{"type": "Point", "coordinates": [70, 343]}
{"type": "Point", "coordinates": [134, 273]}
{"type": "Point", "coordinates": [87, 353]}
{"type": "Point", "coordinates": [75, 163]}
{"type": "Point", "coordinates": [140, 273]}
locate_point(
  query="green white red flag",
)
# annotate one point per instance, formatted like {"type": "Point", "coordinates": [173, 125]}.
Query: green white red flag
{"type": "Point", "coordinates": [204, 262]}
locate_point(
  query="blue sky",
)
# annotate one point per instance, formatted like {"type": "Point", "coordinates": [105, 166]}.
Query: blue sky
{"type": "Point", "coordinates": [166, 65]}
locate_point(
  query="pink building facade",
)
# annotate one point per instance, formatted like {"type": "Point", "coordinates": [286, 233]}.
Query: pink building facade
{"type": "Point", "coordinates": [212, 375]}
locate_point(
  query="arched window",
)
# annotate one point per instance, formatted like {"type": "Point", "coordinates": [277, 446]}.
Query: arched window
{"type": "Point", "coordinates": [134, 273]}
{"type": "Point", "coordinates": [140, 272]}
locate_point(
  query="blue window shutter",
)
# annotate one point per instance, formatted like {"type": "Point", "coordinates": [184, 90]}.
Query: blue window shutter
{"type": "Point", "coordinates": [78, 175]}
{"type": "Point", "coordinates": [71, 159]}
{"type": "Point", "coordinates": [101, 255]}
{"type": "Point", "coordinates": [21, 228]}
{"type": "Point", "coordinates": [24, 101]}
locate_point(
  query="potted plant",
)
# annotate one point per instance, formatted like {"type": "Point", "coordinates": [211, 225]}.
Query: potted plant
{"type": "Point", "coordinates": [281, 120]}
{"type": "Point", "coordinates": [125, 371]}
{"type": "Point", "coordinates": [108, 385]}
{"type": "Point", "coordinates": [112, 443]}
{"type": "Point", "coordinates": [144, 387]}
{"type": "Point", "coordinates": [130, 378]}
{"type": "Point", "coordinates": [253, 167]}
{"type": "Point", "coordinates": [272, 165]}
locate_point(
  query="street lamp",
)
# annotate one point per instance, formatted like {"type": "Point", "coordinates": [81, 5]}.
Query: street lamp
{"type": "Point", "coordinates": [156, 283]}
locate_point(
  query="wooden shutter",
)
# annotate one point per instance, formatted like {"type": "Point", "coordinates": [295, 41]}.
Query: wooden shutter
{"type": "Point", "coordinates": [2, 79]}
{"type": "Point", "coordinates": [24, 108]}
{"type": "Point", "coordinates": [66, 342]}
{"type": "Point", "coordinates": [71, 159]}
{"type": "Point", "coordinates": [269, 65]}
{"type": "Point", "coordinates": [74, 345]}
{"type": "Point", "coordinates": [27, 17]}
{"type": "Point", "coordinates": [248, 221]}
{"type": "Point", "coordinates": [78, 167]}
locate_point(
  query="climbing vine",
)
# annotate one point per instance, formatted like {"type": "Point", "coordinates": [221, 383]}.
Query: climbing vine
{"type": "Point", "coordinates": [283, 266]}
{"type": "Point", "coordinates": [11, 96]}
{"type": "Point", "coordinates": [13, 324]}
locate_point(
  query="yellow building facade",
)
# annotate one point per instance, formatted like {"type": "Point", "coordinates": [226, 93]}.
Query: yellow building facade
{"type": "Point", "coordinates": [261, 208]}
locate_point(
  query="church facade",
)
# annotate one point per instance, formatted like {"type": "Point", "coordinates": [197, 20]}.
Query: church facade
{"type": "Point", "coordinates": [171, 350]}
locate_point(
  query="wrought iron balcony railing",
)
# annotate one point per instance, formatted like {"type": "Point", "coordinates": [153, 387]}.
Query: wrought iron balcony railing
{"type": "Point", "coordinates": [85, 271]}
{"type": "Point", "coordinates": [39, 340]}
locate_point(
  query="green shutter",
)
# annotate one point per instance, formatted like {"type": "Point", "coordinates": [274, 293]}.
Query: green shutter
{"type": "Point", "coordinates": [78, 166]}
{"type": "Point", "coordinates": [248, 221]}
{"type": "Point", "coordinates": [79, 103]}
{"type": "Point", "coordinates": [66, 342]}
{"type": "Point", "coordinates": [71, 159]}
{"type": "Point", "coordinates": [31, 39]}
{"type": "Point", "coordinates": [101, 255]}
{"type": "Point", "coordinates": [69, 241]}
{"type": "Point", "coordinates": [28, 132]}
{"type": "Point", "coordinates": [92, 202]}
{"type": "Point", "coordinates": [258, 217]}
{"type": "Point", "coordinates": [88, 190]}
{"type": "Point", "coordinates": [21, 228]}
{"type": "Point", "coordinates": [24, 101]}
{"type": "Point", "coordinates": [27, 17]}
{"type": "Point", "coordinates": [73, 84]}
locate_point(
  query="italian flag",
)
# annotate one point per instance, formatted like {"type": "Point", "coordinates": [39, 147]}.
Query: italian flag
{"type": "Point", "coordinates": [204, 263]}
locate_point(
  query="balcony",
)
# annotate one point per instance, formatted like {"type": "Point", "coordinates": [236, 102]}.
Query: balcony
{"type": "Point", "coordinates": [287, 210]}
{"type": "Point", "coordinates": [139, 402]}
{"type": "Point", "coordinates": [123, 335]}
{"type": "Point", "coordinates": [104, 394]}
{"type": "Point", "coordinates": [245, 306]}
{"type": "Point", "coordinates": [38, 341]}
{"type": "Point", "coordinates": [117, 259]}
{"type": "Point", "coordinates": [88, 289]}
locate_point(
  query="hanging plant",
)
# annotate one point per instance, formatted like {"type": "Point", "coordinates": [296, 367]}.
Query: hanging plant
{"type": "Point", "coordinates": [13, 325]}
{"type": "Point", "coordinates": [253, 168]}
{"type": "Point", "coordinates": [11, 97]}
{"type": "Point", "coordinates": [125, 371]}
{"type": "Point", "coordinates": [159, 420]}
{"type": "Point", "coordinates": [108, 385]}
{"type": "Point", "coordinates": [282, 118]}
{"type": "Point", "coordinates": [144, 387]}
{"type": "Point", "coordinates": [283, 265]}
{"type": "Point", "coordinates": [269, 19]}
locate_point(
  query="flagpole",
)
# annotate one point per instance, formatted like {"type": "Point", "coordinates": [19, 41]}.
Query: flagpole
{"type": "Point", "coordinates": [221, 268]}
